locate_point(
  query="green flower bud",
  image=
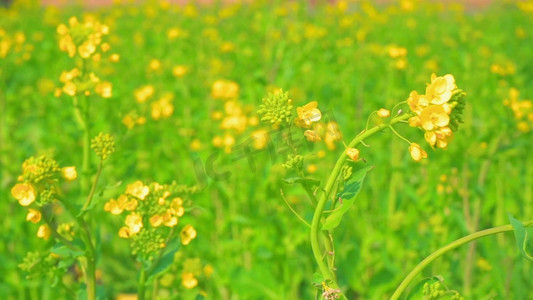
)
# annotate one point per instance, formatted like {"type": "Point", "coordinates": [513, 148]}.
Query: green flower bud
{"type": "Point", "coordinates": [103, 145]}
{"type": "Point", "coordinates": [276, 108]}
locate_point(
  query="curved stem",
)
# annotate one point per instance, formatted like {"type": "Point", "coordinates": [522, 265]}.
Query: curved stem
{"type": "Point", "coordinates": [317, 216]}
{"type": "Point", "coordinates": [467, 239]}
{"type": "Point", "coordinates": [93, 188]}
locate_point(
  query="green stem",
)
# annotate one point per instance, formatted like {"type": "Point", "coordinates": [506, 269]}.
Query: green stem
{"type": "Point", "coordinates": [86, 159]}
{"type": "Point", "coordinates": [142, 284]}
{"type": "Point", "coordinates": [317, 216]}
{"type": "Point", "coordinates": [464, 240]}
{"type": "Point", "coordinates": [93, 188]}
{"type": "Point", "coordinates": [90, 262]}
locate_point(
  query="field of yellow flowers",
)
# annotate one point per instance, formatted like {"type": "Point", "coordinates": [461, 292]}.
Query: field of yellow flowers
{"type": "Point", "coordinates": [266, 150]}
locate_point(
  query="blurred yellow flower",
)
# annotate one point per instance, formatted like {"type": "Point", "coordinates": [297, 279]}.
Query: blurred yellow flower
{"type": "Point", "coordinates": [260, 138]}
{"type": "Point", "coordinates": [24, 193]}
{"type": "Point", "coordinates": [176, 207]}
{"type": "Point", "coordinates": [138, 190]}
{"type": "Point", "coordinates": [124, 232]}
{"type": "Point", "coordinates": [383, 113]}
{"type": "Point", "coordinates": [154, 65]}
{"type": "Point", "coordinates": [33, 215]}
{"type": "Point", "coordinates": [156, 220]}
{"type": "Point", "coordinates": [44, 232]}
{"type": "Point", "coordinates": [134, 223]}
{"type": "Point", "coordinates": [169, 220]}
{"type": "Point", "coordinates": [225, 90]}
{"type": "Point", "coordinates": [69, 173]}
{"type": "Point", "coordinates": [188, 280]}
{"type": "Point", "coordinates": [187, 234]}
{"type": "Point", "coordinates": [104, 89]}
{"type": "Point", "coordinates": [179, 71]}
{"type": "Point", "coordinates": [163, 108]}
{"type": "Point", "coordinates": [312, 135]}
{"type": "Point", "coordinates": [144, 93]}
{"type": "Point", "coordinates": [114, 57]}
{"type": "Point", "coordinates": [352, 153]}
{"type": "Point", "coordinates": [116, 207]}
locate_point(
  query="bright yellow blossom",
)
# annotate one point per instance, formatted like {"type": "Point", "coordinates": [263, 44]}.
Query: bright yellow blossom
{"type": "Point", "coordinates": [308, 114]}
{"type": "Point", "coordinates": [383, 113]}
{"type": "Point", "coordinates": [44, 232]}
{"type": "Point", "coordinates": [417, 153]}
{"type": "Point", "coordinates": [187, 234]}
{"type": "Point", "coordinates": [69, 173]}
{"type": "Point", "coordinates": [138, 190]}
{"type": "Point", "coordinates": [188, 280]}
{"type": "Point", "coordinates": [225, 90]}
{"type": "Point", "coordinates": [439, 91]}
{"type": "Point", "coordinates": [24, 193]}
{"type": "Point", "coordinates": [33, 215]}
{"type": "Point", "coordinates": [134, 223]}
{"type": "Point", "coordinates": [352, 153]}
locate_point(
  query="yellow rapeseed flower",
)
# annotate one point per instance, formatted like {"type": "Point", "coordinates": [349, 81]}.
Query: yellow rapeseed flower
{"type": "Point", "coordinates": [138, 190]}
{"type": "Point", "coordinates": [134, 223]}
{"type": "Point", "coordinates": [124, 232]}
{"type": "Point", "coordinates": [439, 91]}
{"type": "Point", "coordinates": [225, 90]}
{"type": "Point", "coordinates": [307, 115]}
{"type": "Point", "coordinates": [156, 220]}
{"type": "Point", "coordinates": [24, 193]}
{"type": "Point", "coordinates": [383, 113]}
{"type": "Point", "coordinates": [69, 173]}
{"type": "Point", "coordinates": [176, 207]}
{"type": "Point", "coordinates": [187, 234]}
{"type": "Point", "coordinates": [352, 153]}
{"type": "Point", "coordinates": [179, 71]}
{"type": "Point", "coordinates": [44, 232]}
{"type": "Point", "coordinates": [33, 215]}
{"type": "Point", "coordinates": [417, 153]}
{"type": "Point", "coordinates": [188, 280]}
{"type": "Point", "coordinates": [434, 116]}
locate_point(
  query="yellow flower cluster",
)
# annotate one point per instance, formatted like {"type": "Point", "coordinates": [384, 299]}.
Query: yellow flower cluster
{"type": "Point", "coordinates": [433, 111]}
{"type": "Point", "coordinates": [81, 38]}
{"type": "Point", "coordinates": [308, 118]}
{"type": "Point", "coordinates": [76, 83]}
{"type": "Point", "coordinates": [225, 90]}
{"type": "Point", "coordinates": [85, 40]}
{"type": "Point", "coordinates": [15, 44]}
{"type": "Point", "coordinates": [522, 110]}
{"type": "Point", "coordinates": [151, 205]}
{"type": "Point", "coordinates": [159, 109]}
{"type": "Point", "coordinates": [37, 187]}
{"type": "Point", "coordinates": [234, 118]}
{"type": "Point", "coordinates": [398, 54]}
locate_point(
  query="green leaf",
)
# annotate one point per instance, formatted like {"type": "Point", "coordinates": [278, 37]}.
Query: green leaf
{"type": "Point", "coordinates": [522, 235]}
{"type": "Point", "coordinates": [166, 260]}
{"type": "Point", "coordinates": [65, 251]}
{"type": "Point", "coordinates": [348, 195]}
{"type": "Point", "coordinates": [317, 279]}
{"type": "Point", "coordinates": [293, 180]}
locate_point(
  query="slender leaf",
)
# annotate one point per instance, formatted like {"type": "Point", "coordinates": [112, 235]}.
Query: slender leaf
{"type": "Point", "coordinates": [347, 196]}
{"type": "Point", "coordinates": [522, 236]}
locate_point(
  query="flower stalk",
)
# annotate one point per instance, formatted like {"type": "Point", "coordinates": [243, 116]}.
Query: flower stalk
{"type": "Point", "coordinates": [327, 272]}
{"type": "Point", "coordinates": [433, 256]}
